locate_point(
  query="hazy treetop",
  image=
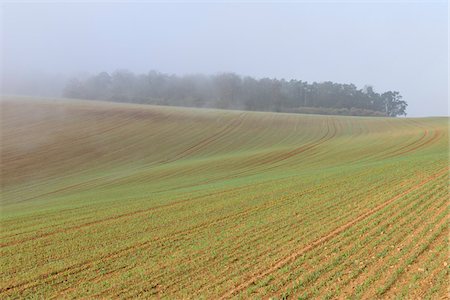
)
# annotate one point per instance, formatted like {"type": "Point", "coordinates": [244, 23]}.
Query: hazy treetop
{"type": "Point", "coordinates": [392, 46]}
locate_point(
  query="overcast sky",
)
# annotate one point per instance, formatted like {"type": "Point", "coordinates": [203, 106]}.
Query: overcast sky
{"type": "Point", "coordinates": [392, 46]}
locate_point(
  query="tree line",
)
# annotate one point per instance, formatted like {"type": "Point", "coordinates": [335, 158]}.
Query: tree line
{"type": "Point", "coordinates": [231, 91]}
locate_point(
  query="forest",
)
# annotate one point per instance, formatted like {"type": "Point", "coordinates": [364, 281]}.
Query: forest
{"type": "Point", "coordinates": [231, 91]}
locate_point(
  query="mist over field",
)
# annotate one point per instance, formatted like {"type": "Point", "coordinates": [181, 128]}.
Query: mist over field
{"type": "Point", "coordinates": [243, 150]}
{"type": "Point", "coordinates": [390, 46]}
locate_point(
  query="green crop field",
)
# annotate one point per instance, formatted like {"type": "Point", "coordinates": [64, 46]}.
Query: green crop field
{"type": "Point", "coordinates": [104, 200]}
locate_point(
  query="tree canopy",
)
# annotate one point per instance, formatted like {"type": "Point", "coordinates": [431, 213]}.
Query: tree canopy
{"type": "Point", "coordinates": [231, 91]}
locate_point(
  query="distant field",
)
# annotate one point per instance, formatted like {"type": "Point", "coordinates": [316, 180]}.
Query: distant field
{"type": "Point", "coordinates": [103, 200]}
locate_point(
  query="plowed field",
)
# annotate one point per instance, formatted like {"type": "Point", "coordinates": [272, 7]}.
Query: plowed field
{"type": "Point", "coordinates": [104, 200]}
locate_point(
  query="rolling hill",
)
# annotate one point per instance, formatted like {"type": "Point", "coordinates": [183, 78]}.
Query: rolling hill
{"type": "Point", "coordinates": [107, 200]}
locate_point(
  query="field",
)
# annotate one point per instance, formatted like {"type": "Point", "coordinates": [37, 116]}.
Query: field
{"type": "Point", "coordinates": [103, 200]}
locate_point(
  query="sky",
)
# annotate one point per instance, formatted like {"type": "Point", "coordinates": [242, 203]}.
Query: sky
{"type": "Point", "coordinates": [398, 45]}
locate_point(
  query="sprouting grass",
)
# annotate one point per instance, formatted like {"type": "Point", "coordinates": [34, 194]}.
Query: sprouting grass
{"type": "Point", "coordinates": [104, 200]}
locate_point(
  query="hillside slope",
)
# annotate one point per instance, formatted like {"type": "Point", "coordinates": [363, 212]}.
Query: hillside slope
{"type": "Point", "coordinates": [119, 200]}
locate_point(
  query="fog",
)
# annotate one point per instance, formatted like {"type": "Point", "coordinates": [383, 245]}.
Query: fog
{"type": "Point", "coordinates": [392, 46]}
